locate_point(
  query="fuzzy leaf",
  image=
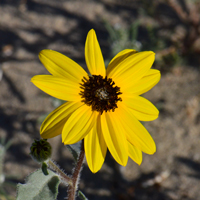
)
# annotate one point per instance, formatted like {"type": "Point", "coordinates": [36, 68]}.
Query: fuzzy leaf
{"type": "Point", "coordinates": [39, 187]}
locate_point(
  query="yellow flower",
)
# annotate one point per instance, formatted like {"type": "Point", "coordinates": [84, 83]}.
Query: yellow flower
{"type": "Point", "coordinates": [103, 108]}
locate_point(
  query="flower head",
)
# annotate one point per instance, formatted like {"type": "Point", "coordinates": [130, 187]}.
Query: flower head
{"type": "Point", "coordinates": [40, 150]}
{"type": "Point", "coordinates": [103, 108]}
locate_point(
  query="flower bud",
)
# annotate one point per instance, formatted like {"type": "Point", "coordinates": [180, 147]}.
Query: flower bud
{"type": "Point", "coordinates": [40, 150]}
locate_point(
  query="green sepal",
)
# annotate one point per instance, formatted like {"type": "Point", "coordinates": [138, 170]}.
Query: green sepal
{"type": "Point", "coordinates": [73, 151]}
{"type": "Point", "coordinates": [44, 169]}
{"type": "Point", "coordinates": [39, 187]}
{"type": "Point", "coordinates": [82, 196]}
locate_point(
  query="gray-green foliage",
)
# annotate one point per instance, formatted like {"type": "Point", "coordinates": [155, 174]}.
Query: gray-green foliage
{"type": "Point", "coordinates": [4, 180]}
{"type": "Point", "coordinates": [123, 38]}
{"type": "Point", "coordinates": [2, 176]}
{"type": "Point", "coordinates": [3, 147]}
{"type": "Point", "coordinates": [39, 187]}
{"type": "Point", "coordinates": [2, 154]}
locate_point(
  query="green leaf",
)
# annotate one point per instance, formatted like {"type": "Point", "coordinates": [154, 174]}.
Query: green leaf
{"type": "Point", "coordinates": [81, 195]}
{"type": "Point", "coordinates": [39, 187]}
{"type": "Point", "coordinates": [74, 150]}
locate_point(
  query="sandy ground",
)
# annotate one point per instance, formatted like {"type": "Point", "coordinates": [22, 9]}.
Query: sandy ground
{"type": "Point", "coordinates": [172, 173]}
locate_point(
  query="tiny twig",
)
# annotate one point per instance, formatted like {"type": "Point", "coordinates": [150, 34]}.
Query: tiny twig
{"type": "Point", "coordinates": [182, 14]}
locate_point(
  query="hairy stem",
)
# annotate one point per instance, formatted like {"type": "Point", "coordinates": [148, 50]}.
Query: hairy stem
{"type": "Point", "coordinates": [65, 178]}
{"type": "Point", "coordinates": [76, 174]}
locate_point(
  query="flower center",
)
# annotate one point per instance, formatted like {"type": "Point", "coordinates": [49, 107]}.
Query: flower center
{"type": "Point", "coordinates": [100, 93]}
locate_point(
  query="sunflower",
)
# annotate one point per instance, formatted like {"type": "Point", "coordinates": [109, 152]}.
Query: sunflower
{"type": "Point", "coordinates": [104, 107]}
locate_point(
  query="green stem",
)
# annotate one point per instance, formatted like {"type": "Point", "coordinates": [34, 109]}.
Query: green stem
{"type": "Point", "coordinates": [76, 174]}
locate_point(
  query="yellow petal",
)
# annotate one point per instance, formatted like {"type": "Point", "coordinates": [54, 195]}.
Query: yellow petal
{"type": "Point", "coordinates": [122, 55]}
{"type": "Point", "coordinates": [58, 87]}
{"type": "Point", "coordinates": [78, 125]}
{"type": "Point", "coordinates": [132, 69]}
{"type": "Point", "coordinates": [55, 121]}
{"type": "Point", "coordinates": [114, 136]}
{"type": "Point", "coordinates": [95, 147]}
{"type": "Point", "coordinates": [134, 153]}
{"type": "Point", "coordinates": [141, 108]}
{"type": "Point", "coordinates": [60, 65]}
{"type": "Point", "coordinates": [93, 55]}
{"type": "Point", "coordinates": [146, 82]}
{"type": "Point", "coordinates": [136, 133]}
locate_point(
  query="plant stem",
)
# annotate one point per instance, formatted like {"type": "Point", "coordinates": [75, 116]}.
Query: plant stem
{"type": "Point", "coordinates": [65, 178]}
{"type": "Point", "coordinates": [76, 174]}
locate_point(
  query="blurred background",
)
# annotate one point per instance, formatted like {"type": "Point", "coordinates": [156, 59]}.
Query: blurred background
{"type": "Point", "coordinates": [171, 28]}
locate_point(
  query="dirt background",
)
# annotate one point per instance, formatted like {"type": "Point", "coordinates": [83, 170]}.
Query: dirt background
{"type": "Point", "coordinates": [26, 27]}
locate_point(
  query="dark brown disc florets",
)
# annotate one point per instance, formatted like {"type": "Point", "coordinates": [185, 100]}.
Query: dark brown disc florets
{"type": "Point", "coordinates": [100, 93]}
